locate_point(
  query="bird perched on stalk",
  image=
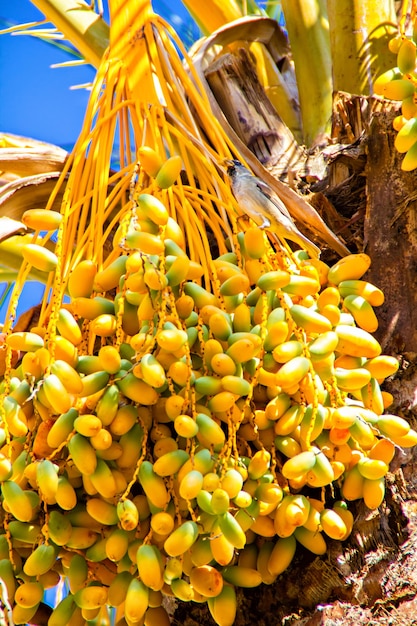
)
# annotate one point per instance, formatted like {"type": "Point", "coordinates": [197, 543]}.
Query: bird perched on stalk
{"type": "Point", "coordinates": [264, 207]}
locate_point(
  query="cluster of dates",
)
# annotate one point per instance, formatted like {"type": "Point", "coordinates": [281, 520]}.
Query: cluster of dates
{"type": "Point", "coordinates": [399, 83]}
{"type": "Point", "coordinates": [164, 438]}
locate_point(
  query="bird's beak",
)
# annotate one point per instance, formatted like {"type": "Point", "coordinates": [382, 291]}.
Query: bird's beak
{"type": "Point", "coordinates": [228, 162]}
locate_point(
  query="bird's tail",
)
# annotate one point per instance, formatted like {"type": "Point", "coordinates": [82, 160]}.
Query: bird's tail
{"type": "Point", "coordinates": [305, 243]}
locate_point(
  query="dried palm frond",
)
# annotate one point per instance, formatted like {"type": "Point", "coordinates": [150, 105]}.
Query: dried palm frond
{"type": "Point", "coordinates": [262, 30]}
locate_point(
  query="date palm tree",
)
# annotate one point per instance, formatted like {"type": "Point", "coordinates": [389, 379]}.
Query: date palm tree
{"type": "Point", "coordinates": [169, 413]}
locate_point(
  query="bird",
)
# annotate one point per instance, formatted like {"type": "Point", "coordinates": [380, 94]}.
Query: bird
{"type": "Point", "coordinates": [264, 207]}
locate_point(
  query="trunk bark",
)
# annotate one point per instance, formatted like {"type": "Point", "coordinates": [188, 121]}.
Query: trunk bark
{"type": "Point", "coordinates": [390, 237]}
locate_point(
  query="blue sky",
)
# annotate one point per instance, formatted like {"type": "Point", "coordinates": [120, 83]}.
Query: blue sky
{"type": "Point", "coordinates": [37, 101]}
